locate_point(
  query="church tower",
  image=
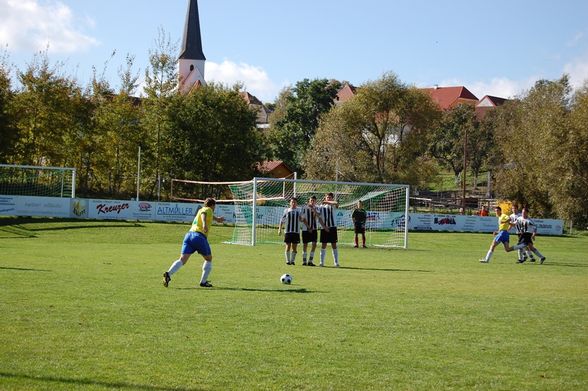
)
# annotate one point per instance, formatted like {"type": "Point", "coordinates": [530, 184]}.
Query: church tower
{"type": "Point", "coordinates": [191, 60]}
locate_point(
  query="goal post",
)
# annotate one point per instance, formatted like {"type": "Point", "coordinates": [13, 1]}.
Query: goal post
{"type": "Point", "coordinates": [259, 205]}
{"type": "Point", "coordinates": [39, 181]}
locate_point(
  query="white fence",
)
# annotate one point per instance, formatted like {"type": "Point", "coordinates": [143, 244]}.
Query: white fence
{"type": "Point", "coordinates": [184, 212]}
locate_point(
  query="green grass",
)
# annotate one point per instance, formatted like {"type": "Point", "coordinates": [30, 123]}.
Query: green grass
{"type": "Point", "coordinates": [83, 308]}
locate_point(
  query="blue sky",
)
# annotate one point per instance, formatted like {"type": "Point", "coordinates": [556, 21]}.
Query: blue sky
{"type": "Point", "coordinates": [494, 47]}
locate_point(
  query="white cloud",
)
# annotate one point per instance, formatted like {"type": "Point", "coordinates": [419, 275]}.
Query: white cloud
{"type": "Point", "coordinates": [575, 39]}
{"type": "Point", "coordinates": [578, 72]}
{"type": "Point", "coordinates": [255, 79]}
{"type": "Point", "coordinates": [32, 25]}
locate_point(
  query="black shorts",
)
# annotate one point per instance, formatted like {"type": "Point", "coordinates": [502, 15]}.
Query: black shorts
{"type": "Point", "coordinates": [309, 236]}
{"type": "Point", "coordinates": [292, 237]}
{"type": "Point", "coordinates": [329, 237]}
{"type": "Point", "coordinates": [526, 238]}
{"type": "Point", "coordinates": [359, 228]}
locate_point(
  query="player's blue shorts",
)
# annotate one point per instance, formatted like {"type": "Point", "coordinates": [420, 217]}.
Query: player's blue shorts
{"type": "Point", "coordinates": [501, 237]}
{"type": "Point", "coordinates": [196, 242]}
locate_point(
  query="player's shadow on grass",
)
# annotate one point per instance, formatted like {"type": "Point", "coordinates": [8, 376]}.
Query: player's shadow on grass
{"type": "Point", "coordinates": [24, 269]}
{"type": "Point", "coordinates": [384, 269]}
{"type": "Point", "coordinates": [224, 288]}
{"type": "Point", "coordinates": [91, 382]}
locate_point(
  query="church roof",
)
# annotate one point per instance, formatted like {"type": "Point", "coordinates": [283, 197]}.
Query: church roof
{"type": "Point", "coordinates": [192, 41]}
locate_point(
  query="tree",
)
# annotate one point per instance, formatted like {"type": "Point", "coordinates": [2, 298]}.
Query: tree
{"type": "Point", "coordinates": [161, 83]}
{"type": "Point", "coordinates": [48, 116]}
{"type": "Point", "coordinates": [379, 135]}
{"type": "Point", "coordinates": [8, 132]}
{"type": "Point", "coordinates": [213, 135]}
{"type": "Point", "coordinates": [447, 141]}
{"type": "Point", "coordinates": [299, 114]}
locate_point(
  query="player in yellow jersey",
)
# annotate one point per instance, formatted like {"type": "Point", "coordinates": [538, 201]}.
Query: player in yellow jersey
{"type": "Point", "coordinates": [504, 224]}
{"type": "Point", "coordinates": [196, 240]}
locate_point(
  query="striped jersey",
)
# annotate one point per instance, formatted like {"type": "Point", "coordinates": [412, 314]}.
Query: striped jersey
{"type": "Point", "coordinates": [291, 218]}
{"type": "Point", "coordinates": [328, 214]}
{"type": "Point", "coordinates": [524, 225]}
{"type": "Point", "coordinates": [310, 217]}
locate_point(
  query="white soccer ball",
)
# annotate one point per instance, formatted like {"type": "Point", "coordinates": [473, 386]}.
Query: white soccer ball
{"type": "Point", "coordinates": [286, 279]}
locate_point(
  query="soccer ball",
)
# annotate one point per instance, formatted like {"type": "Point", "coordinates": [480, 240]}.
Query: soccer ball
{"type": "Point", "coordinates": [286, 279]}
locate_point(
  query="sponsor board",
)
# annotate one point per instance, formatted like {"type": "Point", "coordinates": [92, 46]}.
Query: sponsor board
{"type": "Point", "coordinates": [43, 206]}
{"type": "Point", "coordinates": [175, 211]}
{"type": "Point", "coordinates": [79, 208]}
{"type": "Point", "coordinates": [8, 206]}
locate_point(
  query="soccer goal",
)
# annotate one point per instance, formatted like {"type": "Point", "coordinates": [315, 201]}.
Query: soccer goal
{"type": "Point", "coordinates": [37, 181]}
{"type": "Point", "coordinates": [258, 205]}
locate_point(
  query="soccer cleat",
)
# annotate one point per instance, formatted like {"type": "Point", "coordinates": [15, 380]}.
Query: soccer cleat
{"type": "Point", "coordinates": [166, 279]}
{"type": "Point", "coordinates": [321, 264]}
{"type": "Point", "coordinates": [288, 263]}
{"type": "Point", "coordinates": [542, 260]}
{"type": "Point", "coordinates": [532, 259]}
{"type": "Point", "coordinates": [355, 246]}
{"type": "Point", "coordinates": [304, 263]}
{"type": "Point", "coordinates": [292, 263]}
{"type": "Point", "coordinates": [364, 246]}
{"type": "Point", "coordinates": [483, 261]}
{"type": "Point", "coordinates": [336, 265]}
{"type": "Point", "coordinates": [206, 284]}
{"type": "Point", "coordinates": [311, 264]}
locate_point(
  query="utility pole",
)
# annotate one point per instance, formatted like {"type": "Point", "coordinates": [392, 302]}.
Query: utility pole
{"type": "Point", "coordinates": [465, 159]}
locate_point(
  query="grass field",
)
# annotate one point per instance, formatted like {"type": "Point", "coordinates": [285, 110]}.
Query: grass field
{"type": "Point", "coordinates": [83, 308]}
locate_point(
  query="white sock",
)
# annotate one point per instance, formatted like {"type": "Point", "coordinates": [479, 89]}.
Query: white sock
{"type": "Point", "coordinates": [304, 257]}
{"type": "Point", "coordinates": [175, 267]}
{"type": "Point", "coordinates": [519, 246]}
{"type": "Point", "coordinates": [206, 268]}
{"type": "Point", "coordinates": [538, 253]}
{"type": "Point", "coordinates": [529, 253]}
{"type": "Point", "coordinates": [323, 253]}
{"type": "Point", "coordinates": [336, 255]}
{"type": "Point", "coordinates": [311, 256]}
{"type": "Point", "coordinates": [293, 256]}
{"type": "Point", "coordinates": [489, 255]}
{"type": "Point", "coordinates": [287, 255]}
{"type": "Point", "coordinates": [521, 254]}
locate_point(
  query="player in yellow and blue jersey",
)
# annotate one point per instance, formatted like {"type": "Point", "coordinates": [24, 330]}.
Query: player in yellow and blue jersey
{"type": "Point", "coordinates": [196, 240]}
{"type": "Point", "coordinates": [502, 236]}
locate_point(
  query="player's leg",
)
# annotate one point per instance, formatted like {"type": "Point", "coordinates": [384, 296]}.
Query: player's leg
{"type": "Point", "coordinates": [323, 247]}
{"type": "Point", "coordinates": [206, 269]}
{"type": "Point", "coordinates": [355, 238]}
{"type": "Point", "coordinates": [536, 251]}
{"type": "Point", "coordinates": [287, 251]}
{"type": "Point", "coordinates": [304, 248]}
{"type": "Point", "coordinates": [293, 253]}
{"type": "Point", "coordinates": [334, 246]}
{"type": "Point", "coordinates": [363, 238]}
{"type": "Point", "coordinates": [187, 250]}
{"type": "Point", "coordinates": [490, 252]}
{"type": "Point", "coordinates": [312, 250]}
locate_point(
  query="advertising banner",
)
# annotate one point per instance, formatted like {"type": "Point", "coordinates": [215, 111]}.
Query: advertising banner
{"type": "Point", "coordinates": [120, 210]}
{"type": "Point", "coordinates": [34, 206]}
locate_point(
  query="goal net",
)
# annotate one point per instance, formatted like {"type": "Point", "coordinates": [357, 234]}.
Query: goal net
{"type": "Point", "coordinates": [37, 181]}
{"type": "Point", "coordinates": [257, 207]}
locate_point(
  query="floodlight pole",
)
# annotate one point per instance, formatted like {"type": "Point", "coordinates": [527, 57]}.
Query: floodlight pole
{"type": "Point", "coordinates": [463, 179]}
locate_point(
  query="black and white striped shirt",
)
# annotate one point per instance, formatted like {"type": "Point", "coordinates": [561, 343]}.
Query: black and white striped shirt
{"type": "Point", "coordinates": [310, 217]}
{"type": "Point", "coordinates": [524, 225]}
{"type": "Point", "coordinates": [328, 214]}
{"type": "Point", "coordinates": [292, 219]}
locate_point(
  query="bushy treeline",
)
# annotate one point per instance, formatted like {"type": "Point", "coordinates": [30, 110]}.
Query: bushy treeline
{"type": "Point", "coordinates": [52, 120]}
{"type": "Point", "coordinates": [536, 146]}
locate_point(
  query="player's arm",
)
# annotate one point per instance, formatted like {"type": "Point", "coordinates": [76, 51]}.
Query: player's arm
{"type": "Point", "coordinates": [281, 222]}
{"type": "Point", "coordinates": [204, 223]}
{"type": "Point", "coordinates": [334, 203]}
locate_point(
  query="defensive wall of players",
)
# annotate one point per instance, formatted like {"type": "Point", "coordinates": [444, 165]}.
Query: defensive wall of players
{"type": "Point", "coordinates": [184, 212]}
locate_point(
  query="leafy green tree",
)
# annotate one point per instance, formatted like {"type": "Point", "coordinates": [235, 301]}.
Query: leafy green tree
{"type": "Point", "coordinates": [161, 83]}
{"type": "Point", "coordinates": [8, 131]}
{"type": "Point", "coordinates": [213, 135]}
{"type": "Point", "coordinates": [447, 141]}
{"type": "Point", "coordinates": [379, 135]}
{"type": "Point", "coordinates": [299, 114]}
{"type": "Point", "coordinates": [47, 110]}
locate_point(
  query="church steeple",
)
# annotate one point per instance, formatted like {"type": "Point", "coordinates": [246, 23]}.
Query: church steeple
{"type": "Point", "coordinates": [191, 59]}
